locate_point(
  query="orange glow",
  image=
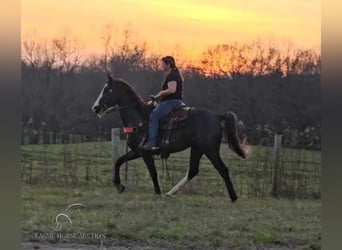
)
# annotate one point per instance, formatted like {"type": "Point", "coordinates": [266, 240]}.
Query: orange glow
{"type": "Point", "coordinates": [191, 25]}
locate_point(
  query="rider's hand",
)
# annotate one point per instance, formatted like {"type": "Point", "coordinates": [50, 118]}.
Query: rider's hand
{"type": "Point", "coordinates": [152, 103]}
{"type": "Point", "coordinates": [157, 96]}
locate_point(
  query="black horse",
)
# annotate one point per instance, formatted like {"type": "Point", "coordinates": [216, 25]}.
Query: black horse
{"type": "Point", "coordinates": [203, 133]}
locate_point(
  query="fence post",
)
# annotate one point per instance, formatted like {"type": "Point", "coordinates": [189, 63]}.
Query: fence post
{"type": "Point", "coordinates": [115, 135]}
{"type": "Point", "coordinates": [52, 137]}
{"type": "Point", "coordinates": [276, 165]}
{"type": "Point", "coordinates": [41, 137]}
{"type": "Point", "coordinates": [22, 136]}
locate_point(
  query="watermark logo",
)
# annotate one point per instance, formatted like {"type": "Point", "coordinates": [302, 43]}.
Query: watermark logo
{"type": "Point", "coordinates": [59, 216]}
{"type": "Point", "coordinates": [64, 220]}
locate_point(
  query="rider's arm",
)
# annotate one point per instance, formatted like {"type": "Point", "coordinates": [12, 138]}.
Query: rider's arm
{"type": "Point", "coordinates": [171, 88]}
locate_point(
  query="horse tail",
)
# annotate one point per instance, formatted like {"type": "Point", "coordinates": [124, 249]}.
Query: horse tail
{"type": "Point", "coordinates": [230, 128]}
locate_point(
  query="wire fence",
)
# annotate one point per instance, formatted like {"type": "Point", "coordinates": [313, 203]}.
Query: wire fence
{"type": "Point", "coordinates": [66, 159]}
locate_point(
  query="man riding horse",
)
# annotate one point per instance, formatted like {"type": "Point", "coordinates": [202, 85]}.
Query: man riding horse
{"type": "Point", "coordinates": [170, 96]}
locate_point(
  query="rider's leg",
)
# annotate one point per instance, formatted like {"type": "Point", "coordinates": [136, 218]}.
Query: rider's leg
{"type": "Point", "coordinates": [163, 109]}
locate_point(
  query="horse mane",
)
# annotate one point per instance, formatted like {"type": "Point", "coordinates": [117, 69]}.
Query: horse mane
{"type": "Point", "coordinates": [130, 90]}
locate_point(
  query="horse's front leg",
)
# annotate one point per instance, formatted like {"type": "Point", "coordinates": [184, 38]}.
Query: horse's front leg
{"type": "Point", "coordinates": [131, 155]}
{"type": "Point", "coordinates": [149, 161]}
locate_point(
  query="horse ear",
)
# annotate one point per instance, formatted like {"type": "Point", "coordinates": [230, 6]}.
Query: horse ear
{"type": "Point", "coordinates": [110, 79]}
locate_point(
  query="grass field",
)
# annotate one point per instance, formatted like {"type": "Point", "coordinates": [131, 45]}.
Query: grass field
{"type": "Point", "coordinates": [199, 217]}
{"type": "Point", "coordinates": [202, 222]}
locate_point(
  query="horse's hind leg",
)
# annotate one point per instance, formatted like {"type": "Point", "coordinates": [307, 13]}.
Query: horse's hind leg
{"type": "Point", "coordinates": [131, 155]}
{"type": "Point", "coordinates": [195, 157]}
{"type": "Point", "coordinates": [215, 158]}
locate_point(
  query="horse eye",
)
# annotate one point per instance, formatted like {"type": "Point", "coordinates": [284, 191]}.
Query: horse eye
{"type": "Point", "coordinates": [110, 91]}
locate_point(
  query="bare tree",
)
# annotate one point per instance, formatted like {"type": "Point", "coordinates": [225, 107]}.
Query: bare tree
{"type": "Point", "coordinates": [67, 51]}
{"type": "Point", "coordinates": [107, 40]}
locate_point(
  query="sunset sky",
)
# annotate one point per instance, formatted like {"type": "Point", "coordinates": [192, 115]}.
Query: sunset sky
{"type": "Point", "coordinates": [163, 24]}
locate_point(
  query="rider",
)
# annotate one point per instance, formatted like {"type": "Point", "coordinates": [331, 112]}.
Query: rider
{"type": "Point", "coordinates": [170, 96]}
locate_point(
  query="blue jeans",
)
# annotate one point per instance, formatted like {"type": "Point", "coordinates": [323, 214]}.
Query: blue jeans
{"type": "Point", "coordinates": [159, 112]}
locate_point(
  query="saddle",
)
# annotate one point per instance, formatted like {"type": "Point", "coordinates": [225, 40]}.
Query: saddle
{"type": "Point", "coordinates": [175, 119]}
{"type": "Point", "coordinates": [172, 121]}
{"type": "Point", "coordinates": [178, 114]}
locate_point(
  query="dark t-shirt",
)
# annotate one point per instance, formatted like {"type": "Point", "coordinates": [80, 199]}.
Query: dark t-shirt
{"type": "Point", "coordinates": [173, 76]}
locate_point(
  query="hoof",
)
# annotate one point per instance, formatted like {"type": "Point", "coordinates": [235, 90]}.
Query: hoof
{"type": "Point", "coordinates": [169, 195]}
{"type": "Point", "coordinates": [234, 199]}
{"type": "Point", "coordinates": [120, 188]}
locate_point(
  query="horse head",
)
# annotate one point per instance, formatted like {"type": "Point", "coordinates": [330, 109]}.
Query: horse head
{"type": "Point", "coordinates": [108, 98]}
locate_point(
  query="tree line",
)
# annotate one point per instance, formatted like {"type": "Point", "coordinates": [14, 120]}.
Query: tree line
{"type": "Point", "coordinates": [271, 90]}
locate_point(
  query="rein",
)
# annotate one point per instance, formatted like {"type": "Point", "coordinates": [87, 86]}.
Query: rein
{"type": "Point", "coordinates": [130, 129]}
{"type": "Point", "coordinates": [113, 109]}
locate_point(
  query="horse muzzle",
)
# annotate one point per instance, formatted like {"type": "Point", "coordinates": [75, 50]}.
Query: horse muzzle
{"type": "Point", "coordinates": [99, 110]}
